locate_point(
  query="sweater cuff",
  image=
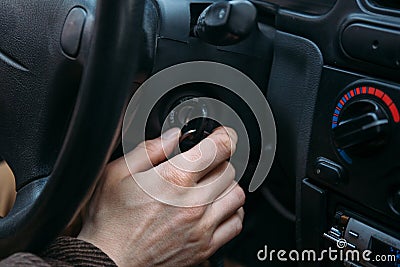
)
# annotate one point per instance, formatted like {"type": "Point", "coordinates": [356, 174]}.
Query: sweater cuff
{"type": "Point", "coordinates": [77, 253]}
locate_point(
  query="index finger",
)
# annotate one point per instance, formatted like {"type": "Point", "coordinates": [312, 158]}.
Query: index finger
{"type": "Point", "coordinates": [195, 163]}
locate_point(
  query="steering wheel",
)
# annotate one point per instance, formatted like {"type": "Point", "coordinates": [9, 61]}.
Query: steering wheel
{"type": "Point", "coordinates": [60, 111]}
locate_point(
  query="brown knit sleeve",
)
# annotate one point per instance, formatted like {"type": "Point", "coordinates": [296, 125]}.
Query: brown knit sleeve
{"type": "Point", "coordinates": [63, 252]}
{"type": "Point", "coordinates": [25, 259]}
{"type": "Point", "coordinates": [76, 252]}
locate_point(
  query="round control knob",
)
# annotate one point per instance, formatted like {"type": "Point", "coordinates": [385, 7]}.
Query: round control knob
{"type": "Point", "coordinates": [191, 115]}
{"type": "Point", "coordinates": [362, 128]}
{"type": "Point", "coordinates": [195, 131]}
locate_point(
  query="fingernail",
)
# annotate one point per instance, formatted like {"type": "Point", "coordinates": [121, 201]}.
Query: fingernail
{"type": "Point", "coordinates": [171, 133]}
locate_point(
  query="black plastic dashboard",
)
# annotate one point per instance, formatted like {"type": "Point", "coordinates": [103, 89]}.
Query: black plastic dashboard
{"type": "Point", "coordinates": [317, 62]}
{"type": "Point", "coordinates": [303, 6]}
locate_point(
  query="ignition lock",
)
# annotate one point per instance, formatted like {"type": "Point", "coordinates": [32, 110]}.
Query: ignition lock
{"type": "Point", "coordinates": [191, 115]}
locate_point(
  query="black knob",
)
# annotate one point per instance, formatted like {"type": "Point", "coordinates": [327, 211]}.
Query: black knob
{"type": "Point", "coordinates": [363, 128]}
{"type": "Point", "coordinates": [191, 115]}
{"type": "Point", "coordinates": [226, 22]}
{"type": "Point", "coordinates": [195, 131]}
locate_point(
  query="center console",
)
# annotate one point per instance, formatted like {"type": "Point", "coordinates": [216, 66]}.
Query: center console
{"type": "Point", "coordinates": [354, 167]}
{"type": "Point", "coordinates": [351, 193]}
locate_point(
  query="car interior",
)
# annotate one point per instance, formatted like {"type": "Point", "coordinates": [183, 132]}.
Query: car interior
{"type": "Point", "coordinates": [328, 69]}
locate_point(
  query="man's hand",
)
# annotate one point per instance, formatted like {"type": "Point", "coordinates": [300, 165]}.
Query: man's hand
{"type": "Point", "coordinates": [134, 229]}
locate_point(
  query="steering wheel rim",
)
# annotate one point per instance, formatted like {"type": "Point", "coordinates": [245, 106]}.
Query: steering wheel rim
{"type": "Point", "coordinates": [46, 204]}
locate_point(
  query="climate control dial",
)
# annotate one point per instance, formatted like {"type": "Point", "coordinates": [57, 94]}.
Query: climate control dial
{"type": "Point", "coordinates": [362, 129]}
{"type": "Point", "coordinates": [361, 122]}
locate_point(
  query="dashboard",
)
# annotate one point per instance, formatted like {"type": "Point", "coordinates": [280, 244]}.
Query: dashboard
{"type": "Point", "coordinates": [304, 6]}
{"type": "Point", "coordinates": [329, 70]}
{"type": "Point", "coordinates": [331, 73]}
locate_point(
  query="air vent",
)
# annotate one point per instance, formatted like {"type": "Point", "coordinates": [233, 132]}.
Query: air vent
{"type": "Point", "coordinates": [390, 4]}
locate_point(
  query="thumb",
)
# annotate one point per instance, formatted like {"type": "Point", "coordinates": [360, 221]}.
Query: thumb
{"type": "Point", "coordinates": [160, 148]}
{"type": "Point", "coordinates": [146, 154]}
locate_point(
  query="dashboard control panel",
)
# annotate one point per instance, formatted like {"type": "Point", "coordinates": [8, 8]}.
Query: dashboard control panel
{"type": "Point", "coordinates": [355, 144]}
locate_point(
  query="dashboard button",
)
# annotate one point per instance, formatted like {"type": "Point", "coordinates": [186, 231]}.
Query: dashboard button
{"type": "Point", "coordinates": [72, 32]}
{"type": "Point", "coordinates": [329, 171]}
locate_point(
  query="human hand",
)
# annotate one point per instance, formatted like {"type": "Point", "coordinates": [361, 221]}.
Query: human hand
{"type": "Point", "coordinates": [135, 229]}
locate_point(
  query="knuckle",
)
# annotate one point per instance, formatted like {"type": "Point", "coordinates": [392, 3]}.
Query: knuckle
{"type": "Point", "coordinates": [240, 195]}
{"type": "Point", "coordinates": [194, 214]}
{"type": "Point", "coordinates": [232, 133]}
{"type": "Point", "coordinates": [207, 226]}
{"type": "Point", "coordinates": [238, 226]}
{"type": "Point", "coordinates": [198, 238]}
{"type": "Point", "coordinates": [141, 145]}
{"type": "Point", "coordinates": [192, 155]}
{"type": "Point", "coordinates": [224, 144]}
{"type": "Point", "coordinates": [237, 197]}
{"type": "Point", "coordinates": [195, 237]}
{"type": "Point", "coordinates": [178, 177]}
{"type": "Point", "coordinates": [151, 146]}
